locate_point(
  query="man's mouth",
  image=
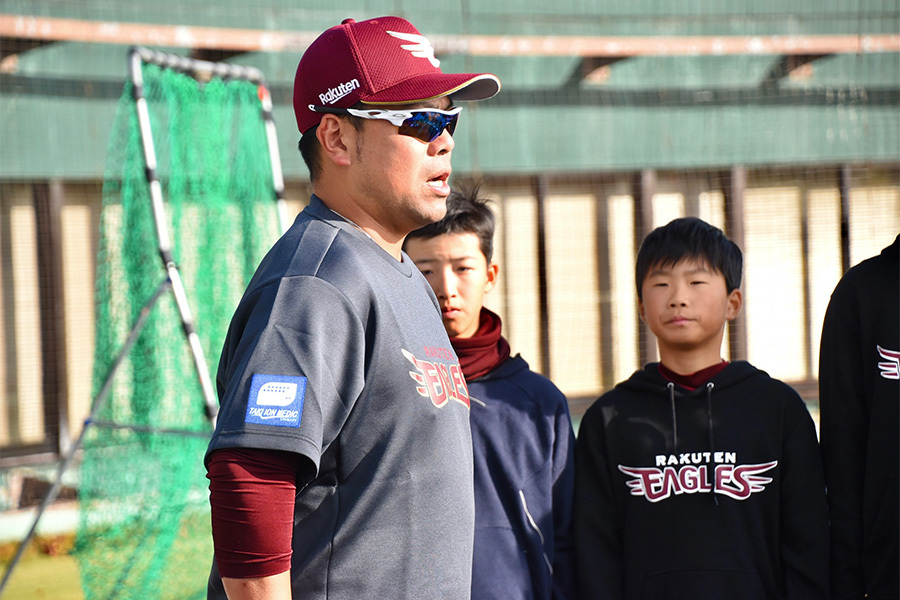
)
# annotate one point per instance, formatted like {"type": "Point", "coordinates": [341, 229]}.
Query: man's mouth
{"type": "Point", "coordinates": [439, 183]}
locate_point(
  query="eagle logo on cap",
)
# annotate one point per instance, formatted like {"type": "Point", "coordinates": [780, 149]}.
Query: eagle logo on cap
{"type": "Point", "coordinates": [420, 46]}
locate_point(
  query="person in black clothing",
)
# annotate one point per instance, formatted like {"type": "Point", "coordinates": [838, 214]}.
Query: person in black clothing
{"type": "Point", "coordinates": [696, 477]}
{"type": "Point", "coordinates": [859, 403]}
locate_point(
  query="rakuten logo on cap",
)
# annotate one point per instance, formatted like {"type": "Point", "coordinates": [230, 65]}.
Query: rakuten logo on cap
{"type": "Point", "coordinates": [336, 93]}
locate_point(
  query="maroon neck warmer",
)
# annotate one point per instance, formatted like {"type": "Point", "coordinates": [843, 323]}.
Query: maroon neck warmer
{"type": "Point", "coordinates": [485, 350]}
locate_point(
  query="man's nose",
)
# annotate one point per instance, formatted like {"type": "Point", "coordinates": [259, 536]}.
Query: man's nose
{"type": "Point", "coordinates": [442, 144]}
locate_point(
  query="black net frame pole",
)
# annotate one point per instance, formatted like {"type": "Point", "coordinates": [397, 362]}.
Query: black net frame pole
{"type": "Point", "coordinates": [96, 405]}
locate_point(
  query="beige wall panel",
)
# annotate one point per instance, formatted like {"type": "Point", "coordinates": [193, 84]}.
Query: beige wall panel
{"type": "Point", "coordinates": [79, 267]}
{"type": "Point", "coordinates": [773, 281]}
{"type": "Point", "coordinates": [10, 195]}
{"type": "Point", "coordinates": [6, 194]}
{"type": "Point", "coordinates": [666, 207]}
{"type": "Point", "coordinates": [874, 220]}
{"type": "Point", "coordinates": [523, 315]}
{"type": "Point", "coordinates": [712, 208]}
{"type": "Point", "coordinates": [573, 294]}
{"type": "Point", "coordinates": [26, 313]}
{"type": "Point", "coordinates": [626, 358]}
{"type": "Point", "coordinates": [824, 210]}
{"type": "Point", "coordinates": [496, 299]}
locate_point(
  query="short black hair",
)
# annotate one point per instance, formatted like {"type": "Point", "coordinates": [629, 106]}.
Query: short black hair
{"type": "Point", "coordinates": [689, 238]}
{"type": "Point", "coordinates": [309, 150]}
{"type": "Point", "coordinates": [467, 212]}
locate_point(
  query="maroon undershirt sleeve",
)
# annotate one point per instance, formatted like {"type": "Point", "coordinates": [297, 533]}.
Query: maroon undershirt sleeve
{"type": "Point", "coordinates": [252, 493]}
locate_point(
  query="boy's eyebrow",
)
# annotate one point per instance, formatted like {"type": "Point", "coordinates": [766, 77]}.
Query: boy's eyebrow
{"type": "Point", "coordinates": [661, 270]}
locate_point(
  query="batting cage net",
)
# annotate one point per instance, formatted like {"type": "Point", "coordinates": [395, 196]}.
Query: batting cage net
{"type": "Point", "coordinates": [143, 530]}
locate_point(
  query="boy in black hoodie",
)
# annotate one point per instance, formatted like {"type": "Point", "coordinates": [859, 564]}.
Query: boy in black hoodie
{"type": "Point", "coordinates": [698, 478]}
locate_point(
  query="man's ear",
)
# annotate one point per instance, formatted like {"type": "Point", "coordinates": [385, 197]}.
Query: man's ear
{"type": "Point", "coordinates": [334, 136]}
{"type": "Point", "coordinates": [735, 302]}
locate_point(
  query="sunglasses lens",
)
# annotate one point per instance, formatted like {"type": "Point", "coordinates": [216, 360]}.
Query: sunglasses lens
{"type": "Point", "coordinates": [451, 125]}
{"type": "Point", "coordinates": [427, 126]}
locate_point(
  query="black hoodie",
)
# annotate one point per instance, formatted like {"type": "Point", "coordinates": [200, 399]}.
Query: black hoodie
{"type": "Point", "coordinates": [859, 395]}
{"type": "Point", "coordinates": [705, 494]}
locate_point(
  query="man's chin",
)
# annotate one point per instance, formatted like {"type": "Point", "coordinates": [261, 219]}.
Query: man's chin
{"type": "Point", "coordinates": [440, 210]}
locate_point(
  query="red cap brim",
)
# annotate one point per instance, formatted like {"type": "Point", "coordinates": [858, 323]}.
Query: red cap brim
{"type": "Point", "coordinates": [424, 87]}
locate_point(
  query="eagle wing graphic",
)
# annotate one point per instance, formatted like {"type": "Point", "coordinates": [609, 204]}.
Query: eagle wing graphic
{"type": "Point", "coordinates": [890, 368]}
{"type": "Point", "coordinates": [420, 46]}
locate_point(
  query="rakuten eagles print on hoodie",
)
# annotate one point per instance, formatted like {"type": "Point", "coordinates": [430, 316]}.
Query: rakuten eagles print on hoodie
{"type": "Point", "coordinates": [705, 494]}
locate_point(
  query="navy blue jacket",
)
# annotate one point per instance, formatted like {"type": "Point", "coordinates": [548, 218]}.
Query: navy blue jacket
{"type": "Point", "coordinates": [524, 477]}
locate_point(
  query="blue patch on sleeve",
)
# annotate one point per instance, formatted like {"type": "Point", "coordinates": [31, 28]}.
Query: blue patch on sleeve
{"type": "Point", "coordinates": [276, 400]}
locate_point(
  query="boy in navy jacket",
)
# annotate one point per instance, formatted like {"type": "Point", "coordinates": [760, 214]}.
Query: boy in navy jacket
{"type": "Point", "coordinates": [696, 477]}
{"type": "Point", "coordinates": [521, 430]}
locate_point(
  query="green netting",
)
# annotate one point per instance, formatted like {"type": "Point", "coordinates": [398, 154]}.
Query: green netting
{"type": "Point", "coordinates": [144, 524]}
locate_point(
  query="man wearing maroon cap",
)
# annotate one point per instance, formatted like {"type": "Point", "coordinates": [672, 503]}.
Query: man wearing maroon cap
{"type": "Point", "coordinates": [341, 464]}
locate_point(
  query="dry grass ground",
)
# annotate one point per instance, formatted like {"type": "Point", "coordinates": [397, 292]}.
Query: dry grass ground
{"type": "Point", "coordinates": [40, 576]}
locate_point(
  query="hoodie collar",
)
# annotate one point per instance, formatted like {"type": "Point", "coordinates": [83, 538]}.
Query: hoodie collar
{"type": "Point", "coordinates": [694, 380]}
{"type": "Point", "coordinates": [649, 380]}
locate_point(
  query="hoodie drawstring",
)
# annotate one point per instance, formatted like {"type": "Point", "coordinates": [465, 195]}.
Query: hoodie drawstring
{"type": "Point", "coordinates": [671, 387]}
{"type": "Point", "coordinates": [709, 423]}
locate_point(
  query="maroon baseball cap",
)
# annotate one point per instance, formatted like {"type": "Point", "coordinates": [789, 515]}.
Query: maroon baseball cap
{"type": "Point", "coordinates": [378, 61]}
